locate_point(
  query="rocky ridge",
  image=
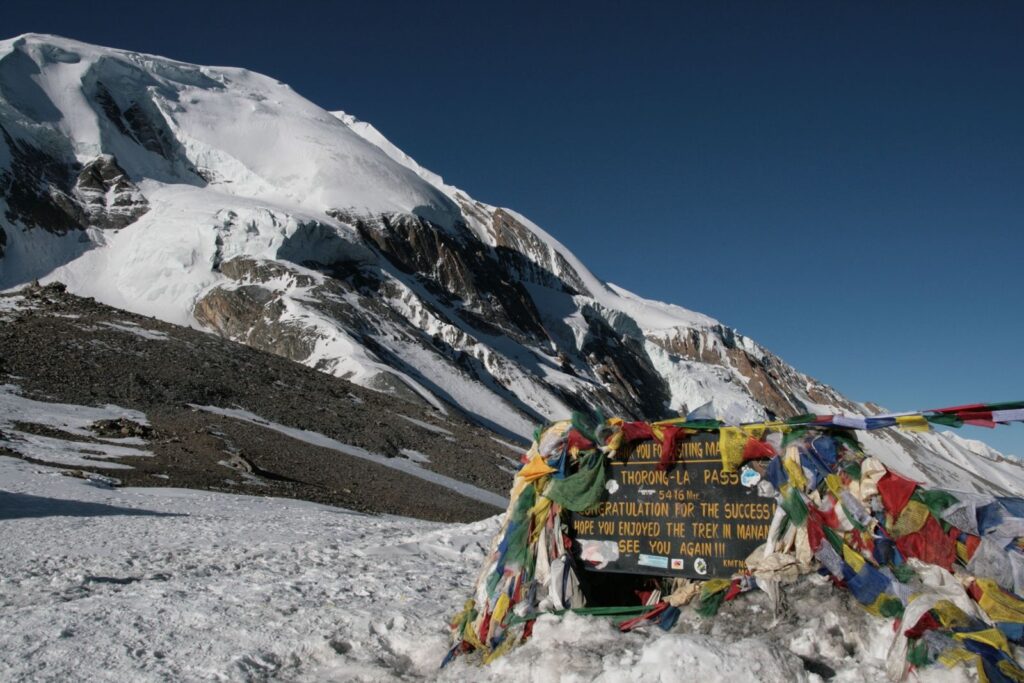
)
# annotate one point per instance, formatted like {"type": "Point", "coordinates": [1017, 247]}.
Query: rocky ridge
{"type": "Point", "coordinates": [59, 348]}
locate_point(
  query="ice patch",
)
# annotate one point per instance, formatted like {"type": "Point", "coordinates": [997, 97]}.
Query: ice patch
{"type": "Point", "coordinates": [518, 449]}
{"type": "Point", "coordinates": [426, 425]}
{"type": "Point", "coordinates": [132, 328]}
{"type": "Point", "coordinates": [415, 456]}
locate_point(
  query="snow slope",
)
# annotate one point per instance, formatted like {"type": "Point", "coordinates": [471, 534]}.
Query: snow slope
{"type": "Point", "coordinates": [165, 584]}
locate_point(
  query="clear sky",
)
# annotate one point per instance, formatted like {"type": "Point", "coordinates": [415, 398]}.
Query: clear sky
{"type": "Point", "coordinates": [841, 181]}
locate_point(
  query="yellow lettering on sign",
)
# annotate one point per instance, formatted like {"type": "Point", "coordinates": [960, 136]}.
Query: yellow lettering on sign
{"type": "Point", "coordinates": [691, 548]}
{"type": "Point", "coordinates": [644, 477]}
{"type": "Point", "coordinates": [684, 509]}
{"type": "Point", "coordinates": [659, 547]}
{"type": "Point", "coordinates": [752, 532]}
{"type": "Point", "coordinates": [716, 476]}
{"type": "Point", "coordinates": [676, 529]}
{"type": "Point", "coordinates": [627, 528]}
{"type": "Point", "coordinates": [705, 529]}
{"type": "Point", "coordinates": [749, 511]}
{"type": "Point", "coordinates": [631, 545]}
{"type": "Point", "coordinates": [709, 509]}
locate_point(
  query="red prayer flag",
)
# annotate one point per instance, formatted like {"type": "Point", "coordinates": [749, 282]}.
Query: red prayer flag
{"type": "Point", "coordinates": [815, 534]}
{"type": "Point", "coordinates": [577, 440]}
{"type": "Point", "coordinates": [755, 449]}
{"type": "Point", "coordinates": [930, 544]}
{"type": "Point", "coordinates": [972, 544]}
{"type": "Point", "coordinates": [669, 436]}
{"type": "Point", "coordinates": [829, 517]}
{"type": "Point", "coordinates": [634, 431]}
{"type": "Point", "coordinates": [895, 492]}
{"type": "Point", "coordinates": [957, 409]}
{"type": "Point", "coordinates": [528, 629]}
{"type": "Point", "coordinates": [926, 623]}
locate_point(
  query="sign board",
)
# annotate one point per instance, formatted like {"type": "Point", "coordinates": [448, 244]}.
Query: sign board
{"type": "Point", "coordinates": [691, 521]}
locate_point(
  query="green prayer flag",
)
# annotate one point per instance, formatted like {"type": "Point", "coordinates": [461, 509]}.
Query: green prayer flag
{"type": "Point", "coordinates": [582, 490]}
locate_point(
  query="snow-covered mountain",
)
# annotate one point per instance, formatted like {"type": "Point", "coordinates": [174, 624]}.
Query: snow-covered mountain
{"type": "Point", "coordinates": [220, 198]}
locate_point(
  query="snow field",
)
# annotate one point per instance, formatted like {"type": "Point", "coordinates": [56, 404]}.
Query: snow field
{"type": "Point", "coordinates": [168, 584]}
{"type": "Point", "coordinates": [161, 584]}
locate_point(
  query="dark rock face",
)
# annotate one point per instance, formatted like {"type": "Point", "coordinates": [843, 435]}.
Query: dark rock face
{"type": "Point", "coordinates": [251, 314]}
{"type": "Point", "coordinates": [3, 242]}
{"type": "Point", "coordinates": [253, 270]}
{"type": "Point", "coordinates": [456, 266]}
{"type": "Point", "coordinates": [515, 242]}
{"type": "Point", "coordinates": [106, 196]}
{"type": "Point", "coordinates": [625, 369]}
{"type": "Point", "coordinates": [138, 118]}
{"type": "Point", "coordinates": [36, 188]}
{"type": "Point", "coordinates": [47, 193]}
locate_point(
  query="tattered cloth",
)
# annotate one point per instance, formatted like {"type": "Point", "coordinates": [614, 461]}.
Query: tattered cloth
{"type": "Point", "coordinates": [947, 566]}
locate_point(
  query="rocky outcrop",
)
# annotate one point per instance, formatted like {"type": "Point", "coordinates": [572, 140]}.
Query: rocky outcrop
{"type": "Point", "coordinates": [137, 122]}
{"type": "Point", "coordinates": [48, 193]}
{"type": "Point", "coordinates": [768, 379]}
{"type": "Point", "coordinates": [251, 313]}
{"type": "Point", "coordinates": [624, 369]}
{"type": "Point", "coordinates": [242, 269]}
{"type": "Point", "coordinates": [456, 266]}
{"type": "Point", "coordinates": [530, 258]}
{"type": "Point", "coordinates": [35, 188]}
{"type": "Point", "coordinates": [107, 198]}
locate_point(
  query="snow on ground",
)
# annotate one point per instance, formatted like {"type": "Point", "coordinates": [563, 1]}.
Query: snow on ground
{"type": "Point", "coordinates": [167, 584]}
{"type": "Point", "coordinates": [511, 446]}
{"type": "Point", "coordinates": [415, 456]}
{"type": "Point", "coordinates": [426, 425]}
{"type": "Point", "coordinates": [10, 305]}
{"type": "Point", "coordinates": [132, 328]}
{"type": "Point", "coordinates": [16, 412]}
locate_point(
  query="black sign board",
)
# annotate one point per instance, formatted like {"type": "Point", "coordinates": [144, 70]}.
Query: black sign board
{"type": "Point", "coordinates": [691, 521]}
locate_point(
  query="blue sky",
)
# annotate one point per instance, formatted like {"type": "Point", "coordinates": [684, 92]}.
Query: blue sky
{"type": "Point", "coordinates": [842, 181]}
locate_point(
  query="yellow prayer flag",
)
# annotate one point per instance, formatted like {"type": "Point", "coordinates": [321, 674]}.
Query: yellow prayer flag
{"type": "Point", "coordinates": [535, 469]}
{"type": "Point", "coordinates": [731, 441]}
{"type": "Point", "coordinates": [913, 423]}
{"type": "Point", "coordinates": [795, 471]}
{"type": "Point", "coordinates": [958, 655]}
{"type": "Point", "coordinates": [853, 558]}
{"type": "Point", "coordinates": [950, 615]}
{"type": "Point", "coordinates": [998, 604]}
{"type": "Point", "coordinates": [911, 519]}
{"type": "Point", "coordinates": [990, 636]}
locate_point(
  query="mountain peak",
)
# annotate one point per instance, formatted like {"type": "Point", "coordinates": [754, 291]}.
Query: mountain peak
{"type": "Point", "coordinates": [220, 198]}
